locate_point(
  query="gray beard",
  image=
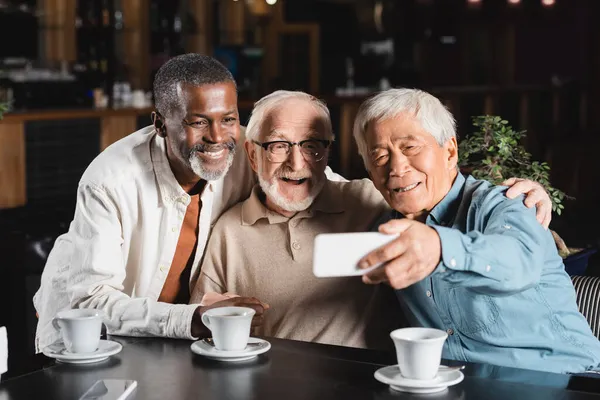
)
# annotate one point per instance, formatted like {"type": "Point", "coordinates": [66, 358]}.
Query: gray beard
{"type": "Point", "coordinates": [209, 174]}
{"type": "Point", "coordinates": [270, 189]}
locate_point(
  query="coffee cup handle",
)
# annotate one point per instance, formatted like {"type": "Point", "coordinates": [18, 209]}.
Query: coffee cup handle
{"type": "Point", "coordinates": [55, 323]}
{"type": "Point", "coordinates": [206, 321]}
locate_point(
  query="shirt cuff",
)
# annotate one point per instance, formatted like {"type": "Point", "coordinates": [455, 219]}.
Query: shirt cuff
{"type": "Point", "coordinates": [453, 253]}
{"type": "Point", "coordinates": [46, 339]}
{"type": "Point", "coordinates": [456, 258]}
{"type": "Point", "coordinates": [180, 321]}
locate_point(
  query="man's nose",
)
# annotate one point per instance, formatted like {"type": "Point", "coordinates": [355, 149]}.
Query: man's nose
{"type": "Point", "coordinates": [216, 134]}
{"type": "Point", "coordinates": [399, 164]}
{"type": "Point", "coordinates": [295, 158]}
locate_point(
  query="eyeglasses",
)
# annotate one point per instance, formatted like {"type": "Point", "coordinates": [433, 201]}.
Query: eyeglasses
{"type": "Point", "coordinates": [279, 150]}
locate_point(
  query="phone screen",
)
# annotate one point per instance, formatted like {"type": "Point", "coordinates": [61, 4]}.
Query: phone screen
{"type": "Point", "coordinates": [110, 389]}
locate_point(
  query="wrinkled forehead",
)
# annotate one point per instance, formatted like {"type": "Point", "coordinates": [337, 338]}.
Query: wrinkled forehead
{"type": "Point", "coordinates": [294, 120]}
{"type": "Point", "coordinates": [400, 126]}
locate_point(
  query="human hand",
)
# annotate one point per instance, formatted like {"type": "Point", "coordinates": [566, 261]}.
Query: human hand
{"type": "Point", "coordinates": [408, 259]}
{"type": "Point", "coordinates": [535, 195]}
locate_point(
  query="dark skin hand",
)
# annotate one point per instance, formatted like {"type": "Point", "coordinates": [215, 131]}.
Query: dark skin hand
{"type": "Point", "coordinates": [201, 331]}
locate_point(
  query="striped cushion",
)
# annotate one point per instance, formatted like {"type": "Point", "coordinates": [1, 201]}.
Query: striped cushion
{"type": "Point", "coordinates": [588, 300]}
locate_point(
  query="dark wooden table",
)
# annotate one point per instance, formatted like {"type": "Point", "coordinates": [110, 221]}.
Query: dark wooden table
{"type": "Point", "coordinates": [167, 369]}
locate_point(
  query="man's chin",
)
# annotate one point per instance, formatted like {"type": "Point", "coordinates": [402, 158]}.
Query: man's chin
{"type": "Point", "coordinates": [293, 203]}
{"type": "Point", "coordinates": [211, 171]}
{"type": "Point", "coordinates": [407, 210]}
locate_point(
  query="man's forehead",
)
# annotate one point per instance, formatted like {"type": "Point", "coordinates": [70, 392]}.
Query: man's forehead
{"type": "Point", "coordinates": [285, 133]}
{"type": "Point", "coordinates": [277, 124]}
{"type": "Point", "coordinates": [191, 92]}
{"type": "Point", "coordinates": [402, 127]}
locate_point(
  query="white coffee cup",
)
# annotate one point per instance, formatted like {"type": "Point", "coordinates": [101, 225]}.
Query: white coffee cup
{"type": "Point", "coordinates": [419, 351]}
{"type": "Point", "coordinates": [80, 329]}
{"type": "Point", "coordinates": [3, 351]}
{"type": "Point", "coordinates": [230, 326]}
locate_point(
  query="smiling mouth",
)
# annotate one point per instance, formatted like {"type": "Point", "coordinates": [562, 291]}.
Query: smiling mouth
{"type": "Point", "coordinates": [294, 181]}
{"type": "Point", "coordinates": [215, 155]}
{"type": "Point", "coordinates": [406, 188]}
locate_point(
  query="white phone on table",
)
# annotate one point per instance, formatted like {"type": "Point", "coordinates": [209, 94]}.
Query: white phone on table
{"type": "Point", "coordinates": [110, 389]}
{"type": "Point", "coordinates": [338, 254]}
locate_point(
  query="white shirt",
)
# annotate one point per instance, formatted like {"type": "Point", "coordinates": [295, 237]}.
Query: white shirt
{"type": "Point", "coordinates": [121, 242]}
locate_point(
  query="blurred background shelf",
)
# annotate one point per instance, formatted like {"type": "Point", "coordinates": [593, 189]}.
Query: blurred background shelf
{"type": "Point", "coordinates": [536, 63]}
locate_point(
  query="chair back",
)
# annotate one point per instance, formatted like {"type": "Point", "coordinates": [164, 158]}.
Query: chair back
{"type": "Point", "coordinates": [588, 300]}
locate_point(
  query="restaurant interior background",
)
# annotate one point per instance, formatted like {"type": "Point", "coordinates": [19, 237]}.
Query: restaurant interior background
{"type": "Point", "coordinates": [78, 74]}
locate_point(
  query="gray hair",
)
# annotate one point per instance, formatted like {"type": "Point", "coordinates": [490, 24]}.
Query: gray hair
{"type": "Point", "coordinates": [264, 106]}
{"type": "Point", "coordinates": [433, 116]}
{"type": "Point", "coordinates": [193, 69]}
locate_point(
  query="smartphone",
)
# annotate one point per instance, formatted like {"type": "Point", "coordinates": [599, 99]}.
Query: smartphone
{"type": "Point", "coordinates": [110, 389]}
{"type": "Point", "coordinates": [337, 254]}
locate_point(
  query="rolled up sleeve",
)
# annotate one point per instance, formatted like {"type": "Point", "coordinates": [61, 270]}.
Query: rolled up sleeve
{"type": "Point", "coordinates": [86, 269]}
{"type": "Point", "coordinates": [505, 256]}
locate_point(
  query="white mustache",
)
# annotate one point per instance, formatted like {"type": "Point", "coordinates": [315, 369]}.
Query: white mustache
{"type": "Point", "coordinates": [294, 176]}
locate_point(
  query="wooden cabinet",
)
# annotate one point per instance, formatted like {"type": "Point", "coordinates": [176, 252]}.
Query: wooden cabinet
{"type": "Point", "coordinates": [43, 154]}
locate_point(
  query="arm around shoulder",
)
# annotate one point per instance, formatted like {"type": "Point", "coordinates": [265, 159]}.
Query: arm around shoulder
{"type": "Point", "coordinates": [503, 255]}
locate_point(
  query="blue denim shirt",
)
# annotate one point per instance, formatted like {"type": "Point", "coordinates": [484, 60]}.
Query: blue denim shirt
{"type": "Point", "coordinates": [500, 290]}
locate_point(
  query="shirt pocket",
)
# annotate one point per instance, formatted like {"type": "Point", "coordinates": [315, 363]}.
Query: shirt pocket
{"type": "Point", "coordinates": [472, 312]}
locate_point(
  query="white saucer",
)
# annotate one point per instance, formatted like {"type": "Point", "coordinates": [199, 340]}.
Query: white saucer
{"type": "Point", "coordinates": [209, 351]}
{"type": "Point", "coordinates": [106, 348]}
{"type": "Point", "coordinates": [391, 376]}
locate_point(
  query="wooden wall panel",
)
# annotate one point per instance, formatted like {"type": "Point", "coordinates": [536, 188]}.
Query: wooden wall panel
{"type": "Point", "coordinates": [136, 47]}
{"type": "Point", "coordinates": [348, 149]}
{"type": "Point", "coordinates": [58, 29]}
{"type": "Point", "coordinates": [201, 41]}
{"type": "Point", "coordinates": [232, 23]}
{"type": "Point", "coordinates": [12, 165]}
{"type": "Point", "coordinates": [115, 128]}
{"type": "Point", "coordinates": [272, 58]}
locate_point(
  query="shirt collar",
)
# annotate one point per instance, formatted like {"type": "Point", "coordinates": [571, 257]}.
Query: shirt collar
{"type": "Point", "coordinates": [329, 201]}
{"type": "Point", "coordinates": [444, 212]}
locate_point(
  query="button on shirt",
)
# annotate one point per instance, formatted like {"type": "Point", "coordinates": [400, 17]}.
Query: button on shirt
{"type": "Point", "coordinates": [256, 252]}
{"type": "Point", "coordinates": [120, 246]}
{"type": "Point", "coordinates": [500, 290]}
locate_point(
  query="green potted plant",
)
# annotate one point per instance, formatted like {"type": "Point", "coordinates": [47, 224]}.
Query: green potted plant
{"type": "Point", "coordinates": [4, 107]}
{"type": "Point", "coordinates": [494, 152]}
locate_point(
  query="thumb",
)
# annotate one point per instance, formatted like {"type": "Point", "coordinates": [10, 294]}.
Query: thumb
{"type": "Point", "coordinates": [509, 182]}
{"type": "Point", "coordinates": [395, 226]}
{"type": "Point", "coordinates": [262, 304]}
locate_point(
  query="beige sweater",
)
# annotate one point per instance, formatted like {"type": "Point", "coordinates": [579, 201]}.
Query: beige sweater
{"type": "Point", "coordinates": [255, 252]}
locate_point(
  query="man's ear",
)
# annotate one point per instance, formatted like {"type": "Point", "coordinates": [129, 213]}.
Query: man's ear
{"type": "Point", "coordinates": [159, 124]}
{"type": "Point", "coordinates": [451, 150]}
{"type": "Point", "coordinates": [252, 154]}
